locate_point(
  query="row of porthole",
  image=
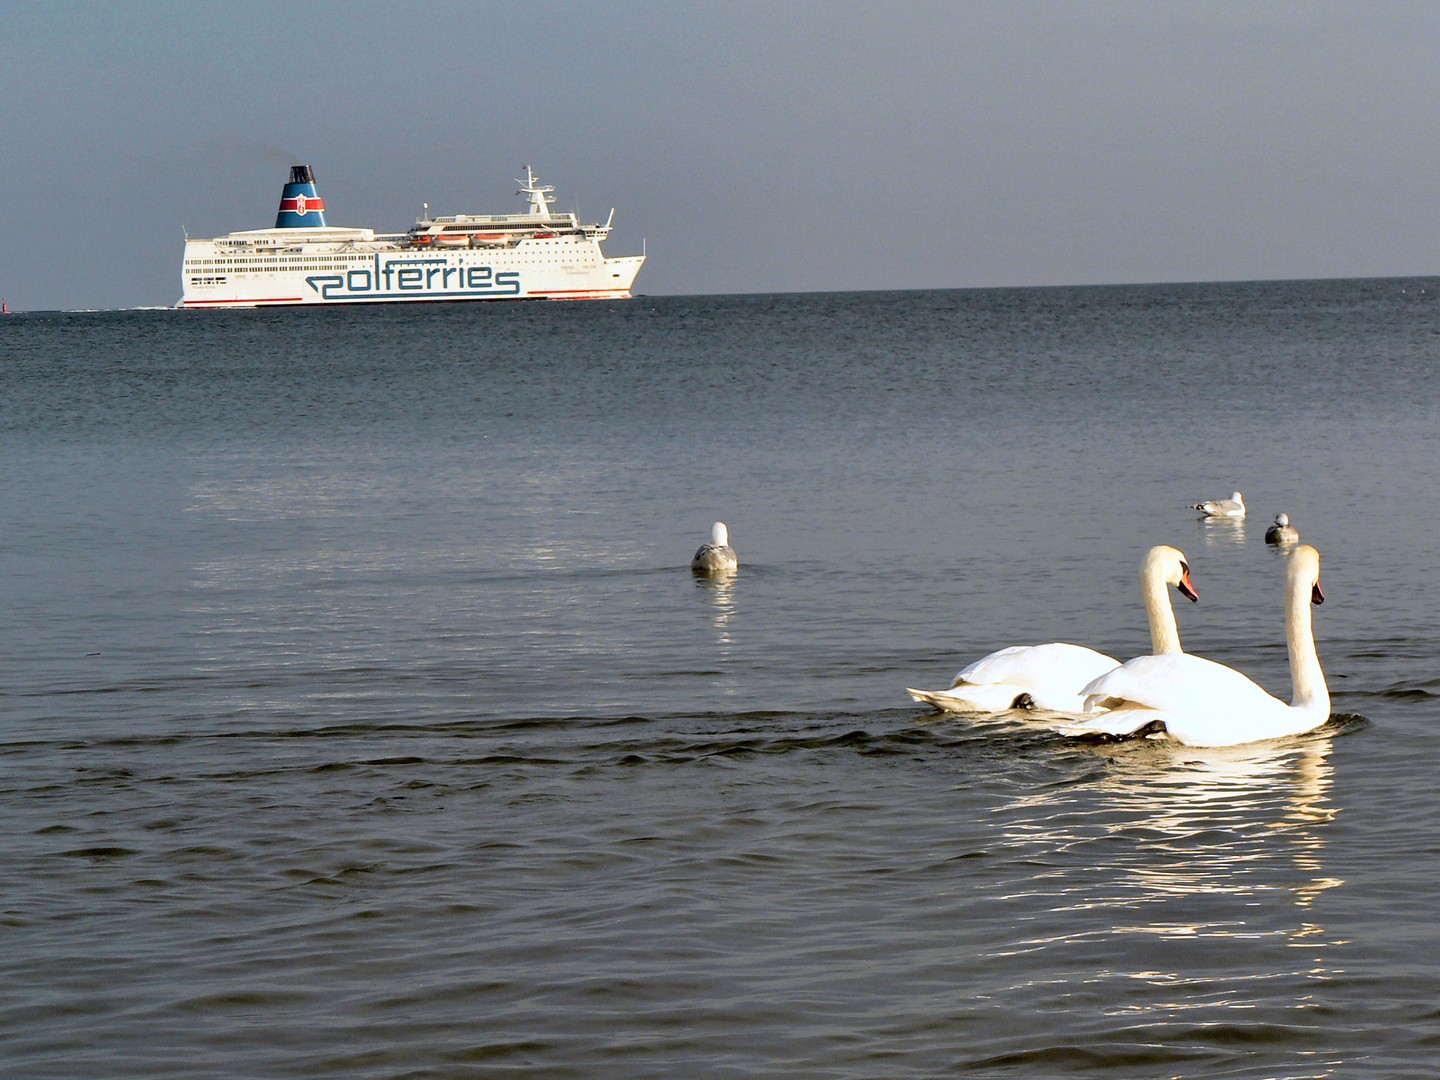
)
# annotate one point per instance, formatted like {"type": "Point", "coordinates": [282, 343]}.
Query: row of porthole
{"type": "Point", "coordinates": [242, 268]}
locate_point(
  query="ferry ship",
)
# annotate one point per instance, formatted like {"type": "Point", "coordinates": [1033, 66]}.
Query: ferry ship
{"type": "Point", "coordinates": [535, 255]}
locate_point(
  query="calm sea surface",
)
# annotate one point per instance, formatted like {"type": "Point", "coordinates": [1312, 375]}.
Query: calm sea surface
{"type": "Point", "coordinates": [360, 717]}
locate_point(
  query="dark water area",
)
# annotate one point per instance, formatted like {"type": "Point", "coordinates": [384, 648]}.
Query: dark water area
{"type": "Point", "coordinates": [359, 714]}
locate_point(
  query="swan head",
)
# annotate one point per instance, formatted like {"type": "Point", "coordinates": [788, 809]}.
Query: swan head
{"type": "Point", "coordinates": [1171, 566]}
{"type": "Point", "coordinates": [1305, 572]}
{"type": "Point", "coordinates": [1236, 497]}
{"type": "Point", "coordinates": [1282, 519]}
{"type": "Point", "coordinates": [719, 534]}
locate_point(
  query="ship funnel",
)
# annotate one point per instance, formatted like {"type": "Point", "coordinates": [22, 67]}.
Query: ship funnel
{"type": "Point", "coordinates": [300, 206]}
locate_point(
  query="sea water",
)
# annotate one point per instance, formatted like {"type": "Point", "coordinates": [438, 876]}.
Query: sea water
{"type": "Point", "coordinates": [359, 715]}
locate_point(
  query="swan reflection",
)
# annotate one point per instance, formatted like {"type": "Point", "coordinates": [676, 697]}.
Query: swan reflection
{"type": "Point", "coordinates": [1175, 842]}
{"type": "Point", "coordinates": [1246, 806]}
{"type": "Point", "coordinates": [1182, 882]}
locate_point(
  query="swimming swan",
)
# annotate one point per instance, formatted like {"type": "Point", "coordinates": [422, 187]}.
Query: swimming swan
{"type": "Point", "coordinates": [1233, 507]}
{"type": "Point", "coordinates": [1051, 676]}
{"type": "Point", "coordinates": [716, 557]}
{"type": "Point", "coordinates": [1198, 702]}
{"type": "Point", "coordinates": [1282, 532]}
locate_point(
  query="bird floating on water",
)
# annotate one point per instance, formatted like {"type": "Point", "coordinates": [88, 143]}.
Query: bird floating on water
{"type": "Point", "coordinates": [716, 557]}
{"type": "Point", "coordinates": [1191, 700]}
{"type": "Point", "coordinates": [1233, 507]}
{"type": "Point", "coordinates": [1049, 677]}
{"type": "Point", "coordinates": [1282, 533]}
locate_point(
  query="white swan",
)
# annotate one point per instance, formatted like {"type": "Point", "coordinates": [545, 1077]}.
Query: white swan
{"type": "Point", "coordinates": [1233, 507]}
{"type": "Point", "coordinates": [1051, 676]}
{"type": "Point", "coordinates": [1282, 532]}
{"type": "Point", "coordinates": [1198, 702]}
{"type": "Point", "coordinates": [716, 557]}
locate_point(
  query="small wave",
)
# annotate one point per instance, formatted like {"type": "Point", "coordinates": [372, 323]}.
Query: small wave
{"type": "Point", "coordinates": [1343, 724]}
{"type": "Point", "coordinates": [100, 851]}
{"type": "Point", "coordinates": [1204, 1050]}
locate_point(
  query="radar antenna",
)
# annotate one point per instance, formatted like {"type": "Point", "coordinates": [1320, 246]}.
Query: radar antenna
{"type": "Point", "coordinates": [539, 196]}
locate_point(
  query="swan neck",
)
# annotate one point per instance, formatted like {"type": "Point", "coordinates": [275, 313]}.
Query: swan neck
{"type": "Point", "coordinates": [1164, 632]}
{"type": "Point", "coordinates": [1307, 678]}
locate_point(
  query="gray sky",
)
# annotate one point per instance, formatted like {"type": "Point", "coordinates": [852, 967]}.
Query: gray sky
{"type": "Point", "coordinates": [755, 147]}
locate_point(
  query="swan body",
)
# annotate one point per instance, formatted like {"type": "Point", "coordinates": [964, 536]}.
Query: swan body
{"type": "Point", "coordinates": [1233, 507]}
{"type": "Point", "coordinates": [716, 557]}
{"type": "Point", "coordinates": [1282, 532]}
{"type": "Point", "coordinates": [1198, 702]}
{"type": "Point", "coordinates": [1052, 676]}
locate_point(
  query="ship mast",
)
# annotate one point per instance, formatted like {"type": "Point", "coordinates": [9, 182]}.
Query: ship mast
{"type": "Point", "coordinates": [539, 197]}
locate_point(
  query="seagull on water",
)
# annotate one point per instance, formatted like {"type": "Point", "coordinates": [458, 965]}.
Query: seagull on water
{"type": "Point", "coordinates": [1233, 507]}
{"type": "Point", "coordinates": [1282, 532]}
{"type": "Point", "coordinates": [716, 557]}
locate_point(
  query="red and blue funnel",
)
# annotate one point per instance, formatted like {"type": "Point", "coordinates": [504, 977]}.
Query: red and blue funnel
{"type": "Point", "coordinates": [300, 206]}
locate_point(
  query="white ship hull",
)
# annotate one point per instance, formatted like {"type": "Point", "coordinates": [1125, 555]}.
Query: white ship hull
{"type": "Point", "coordinates": [302, 261]}
{"type": "Point", "coordinates": [338, 274]}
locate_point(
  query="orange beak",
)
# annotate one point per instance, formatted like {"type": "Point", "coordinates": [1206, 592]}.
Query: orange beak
{"type": "Point", "coordinates": [1187, 587]}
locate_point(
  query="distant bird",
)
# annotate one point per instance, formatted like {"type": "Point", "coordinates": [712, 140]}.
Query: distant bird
{"type": "Point", "coordinates": [716, 557]}
{"type": "Point", "coordinates": [1233, 507]}
{"type": "Point", "coordinates": [1282, 532]}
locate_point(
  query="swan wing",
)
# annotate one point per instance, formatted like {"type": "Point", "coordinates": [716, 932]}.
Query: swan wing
{"type": "Point", "coordinates": [971, 698]}
{"type": "Point", "coordinates": [1198, 701]}
{"type": "Point", "coordinates": [1175, 683]}
{"type": "Point", "coordinates": [1052, 674]}
{"type": "Point", "coordinates": [1057, 660]}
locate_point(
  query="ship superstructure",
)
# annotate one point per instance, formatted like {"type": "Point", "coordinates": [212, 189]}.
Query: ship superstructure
{"type": "Point", "coordinates": [534, 255]}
